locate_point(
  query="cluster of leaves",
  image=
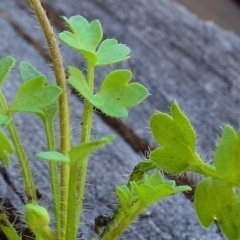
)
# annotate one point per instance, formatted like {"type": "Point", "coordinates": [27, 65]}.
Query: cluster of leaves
{"type": "Point", "coordinates": [116, 94]}
{"type": "Point", "coordinates": [138, 196]}
{"type": "Point", "coordinates": [35, 95]}
{"type": "Point", "coordinates": [114, 97]}
{"type": "Point", "coordinates": [217, 195]}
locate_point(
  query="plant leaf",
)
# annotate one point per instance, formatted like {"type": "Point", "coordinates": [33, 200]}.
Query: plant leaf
{"type": "Point", "coordinates": [177, 137]}
{"type": "Point", "coordinates": [110, 51]}
{"type": "Point", "coordinates": [216, 200]}
{"type": "Point", "coordinates": [52, 156]}
{"type": "Point", "coordinates": [78, 82]}
{"type": "Point", "coordinates": [27, 71]}
{"type": "Point", "coordinates": [115, 94]}
{"type": "Point", "coordinates": [118, 95]}
{"type": "Point", "coordinates": [6, 64]}
{"type": "Point", "coordinates": [5, 119]}
{"type": "Point", "coordinates": [142, 194]}
{"type": "Point", "coordinates": [84, 37]}
{"type": "Point", "coordinates": [81, 151]}
{"type": "Point", "coordinates": [6, 147]}
{"type": "Point", "coordinates": [34, 95]}
{"type": "Point", "coordinates": [227, 155]}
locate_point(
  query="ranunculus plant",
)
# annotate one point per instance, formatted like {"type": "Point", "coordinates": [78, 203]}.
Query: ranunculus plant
{"type": "Point", "coordinates": [217, 195]}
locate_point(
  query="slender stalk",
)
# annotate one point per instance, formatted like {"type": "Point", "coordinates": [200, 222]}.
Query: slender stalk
{"type": "Point", "coordinates": [119, 222]}
{"type": "Point", "coordinates": [7, 228]}
{"type": "Point", "coordinates": [205, 169]}
{"type": "Point", "coordinates": [78, 171]}
{"type": "Point", "coordinates": [63, 104]}
{"type": "Point", "coordinates": [29, 185]}
{"type": "Point", "coordinates": [56, 193]}
{"type": "Point", "coordinates": [208, 171]}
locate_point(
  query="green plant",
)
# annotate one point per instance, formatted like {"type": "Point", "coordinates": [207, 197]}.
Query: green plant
{"type": "Point", "coordinates": [217, 195]}
{"type": "Point", "coordinates": [113, 98]}
{"type": "Point", "coordinates": [146, 185]}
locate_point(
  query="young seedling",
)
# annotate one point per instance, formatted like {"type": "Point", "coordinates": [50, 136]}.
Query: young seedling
{"type": "Point", "coordinates": [217, 195]}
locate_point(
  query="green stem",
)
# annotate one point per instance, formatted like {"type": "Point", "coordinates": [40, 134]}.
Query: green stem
{"type": "Point", "coordinates": [119, 222]}
{"type": "Point", "coordinates": [7, 228]}
{"type": "Point", "coordinates": [208, 171]}
{"type": "Point", "coordinates": [56, 193]}
{"type": "Point", "coordinates": [64, 117]}
{"type": "Point", "coordinates": [205, 169]}
{"type": "Point", "coordinates": [29, 185]}
{"type": "Point", "coordinates": [140, 170]}
{"type": "Point", "coordinates": [78, 171]}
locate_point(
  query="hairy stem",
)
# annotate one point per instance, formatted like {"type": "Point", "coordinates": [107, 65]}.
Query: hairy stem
{"type": "Point", "coordinates": [78, 171]}
{"type": "Point", "coordinates": [119, 222]}
{"type": "Point", "coordinates": [29, 185]}
{"type": "Point", "coordinates": [63, 104]}
{"type": "Point", "coordinates": [56, 193]}
{"type": "Point", "coordinates": [7, 228]}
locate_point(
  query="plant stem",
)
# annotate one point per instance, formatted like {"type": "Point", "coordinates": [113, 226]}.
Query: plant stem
{"type": "Point", "coordinates": [119, 222]}
{"type": "Point", "coordinates": [208, 171]}
{"type": "Point", "coordinates": [205, 169]}
{"type": "Point", "coordinates": [56, 193]}
{"type": "Point", "coordinates": [7, 228]}
{"type": "Point", "coordinates": [78, 171]}
{"type": "Point", "coordinates": [64, 117]}
{"type": "Point", "coordinates": [29, 185]}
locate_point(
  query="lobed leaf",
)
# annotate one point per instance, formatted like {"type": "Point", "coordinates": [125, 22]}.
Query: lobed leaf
{"type": "Point", "coordinates": [115, 94]}
{"type": "Point", "coordinates": [110, 51]}
{"type": "Point", "coordinates": [79, 83]}
{"type": "Point", "coordinates": [27, 71]}
{"type": "Point", "coordinates": [52, 156]}
{"type": "Point", "coordinates": [118, 94]}
{"type": "Point", "coordinates": [34, 95]}
{"type": "Point", "coordinates": [6, 64]}
{"type": "Point", "coordinates": [227, 155]}
{"type": "Point", "coordinates": [177, 139]}
{"type": "Point", "coordinates": [81, 151]}
{"type": "Point", "coordinates": [84, 37]}
{"type": "Point", "coordinates": [140, 195]}
{"type": "Point", "coordinates": [6, 147]}
{"type": "Point", "coordinates": [216, 200]}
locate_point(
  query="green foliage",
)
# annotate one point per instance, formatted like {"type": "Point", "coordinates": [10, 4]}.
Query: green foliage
{"type": "Point", "coordinates": [115, 94]}
{"type": "Point", "coordinates": [36, 216]}
{"type": "Point", "coordinates": [81, 152]}
{"type": "Point", "coordinates": [52, 156]}
{"type": "Point", "coordinates": [6, 147]}
{"type": "Point", "coordinates": [227, 155]}
{"type": "Point", "coordinates": [216, 200]}
{"type": "Point", "coordinates": [140, 195]}
{"type": "Point", "coordinates": [85, 37]}
{"type": "Point", "coordinates": [110, 51]}
{"type": "Point", "coordinates": [27, 71]}
{"type": "Point", "coordinates": [6, 64]}
{"type": "Point", "coordinates": [176, 136]}
{"type": "Point", "coordinates": [217, 196]}
{"type": "Point", "coordinates": [34, 95]}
